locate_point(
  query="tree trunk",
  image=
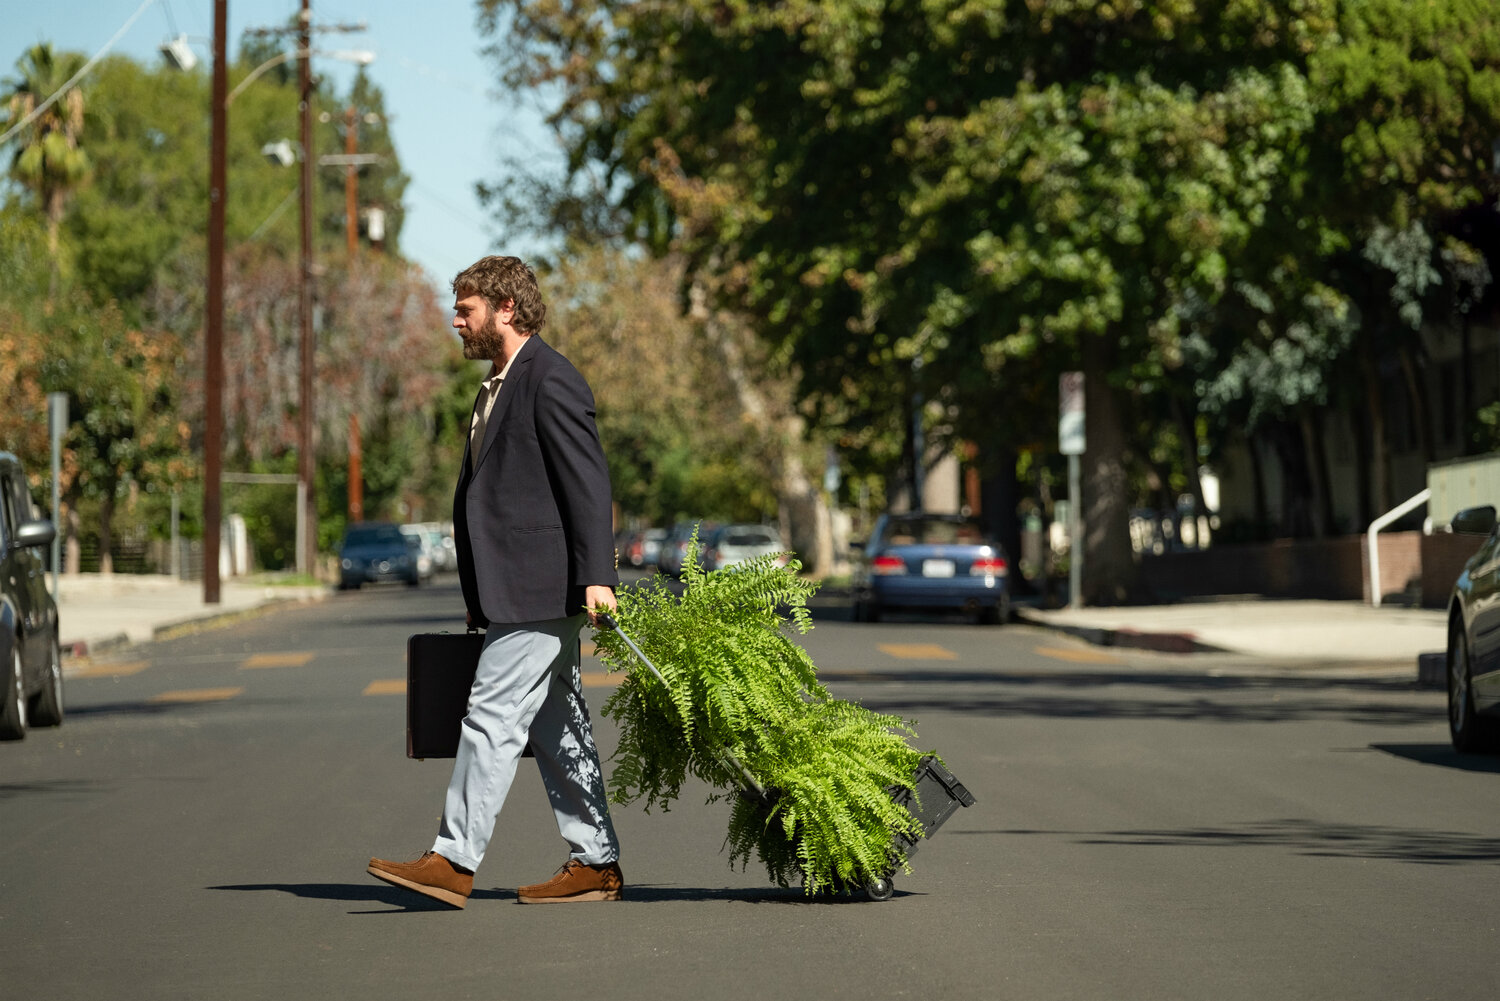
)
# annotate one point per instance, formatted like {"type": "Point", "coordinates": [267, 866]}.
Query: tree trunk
{"type": "Point", "coordinates": [54, 229]}
{"type": "Point", "coordinates": [1110, 573]}
{"type": "Point", "coordinates": [72, 552]}
{"type": "Point", "coordinates": [1258, 475]}
{"type": "Point", "coordinates": [1188, 430]}
{"type": "Point", "coordinates": [1317, 478]}
{"type": "Point", "coordinates": [1380, 471]}
{"type": "Point", "coordinates": [1416, 391]}
{"type": "Point", "coordinates": [806, 521]}
{"type": "Point", "coordinates": [1363, 517]}
{"type": "Point", "coordinates": [1466, 400]}
{"type": "Point", "coordinates": [106, 535]}
{"type": "Point", "coordinates": [999, 503]}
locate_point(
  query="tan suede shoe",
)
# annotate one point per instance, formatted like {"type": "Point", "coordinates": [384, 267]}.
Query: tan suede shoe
{"type": "Point", "coordinates": [575, 882]}
{"type": "Point", "coordinates": [432, 875]}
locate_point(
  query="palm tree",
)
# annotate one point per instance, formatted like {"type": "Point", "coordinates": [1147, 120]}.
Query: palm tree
{"type": "Point", "coordinates": [47, 160]}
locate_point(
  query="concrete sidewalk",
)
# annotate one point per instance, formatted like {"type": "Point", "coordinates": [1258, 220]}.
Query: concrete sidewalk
{"type": "Point", "coordinates": [1276, 630]}
{"type": "Point", "coordinates": [100, 611]}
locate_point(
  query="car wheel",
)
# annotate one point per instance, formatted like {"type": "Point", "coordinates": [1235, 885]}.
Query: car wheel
{"type": "Point", "coordinates": [1470, 731]}
{"type": "Point", "coordinates": [46, 707]}
{"type": "Point", "coordinates": [997, 614]}
{"type": "Point", "coordinates": [13, 699]}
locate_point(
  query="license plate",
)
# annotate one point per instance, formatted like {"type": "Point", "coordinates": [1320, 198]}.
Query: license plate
{"type": "Point", "coordinates": [937, 568]}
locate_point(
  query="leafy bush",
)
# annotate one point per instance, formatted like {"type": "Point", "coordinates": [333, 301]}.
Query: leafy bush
{"type": "Point", "coordinates": [740, 688]}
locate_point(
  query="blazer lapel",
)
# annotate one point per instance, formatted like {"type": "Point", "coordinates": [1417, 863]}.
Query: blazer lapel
{"type": "Point", "coordinates": [519, 370]}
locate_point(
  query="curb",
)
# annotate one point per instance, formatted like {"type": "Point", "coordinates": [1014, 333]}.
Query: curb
{"type": "Point", "coordinates": [1432, 670]}
{"type": "Point", "coordinates": [80, 649]}
{"type": "Point", "coordinates": [84, 648]}
{"type": "Point", "coordinates": [1179, 642]}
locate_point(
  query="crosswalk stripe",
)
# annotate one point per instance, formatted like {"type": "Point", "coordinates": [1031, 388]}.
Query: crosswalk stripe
{"type": "Point", "coordinates": [389, 686]}
{"type": "Point", "coordinates": [290, 658]}
{"type": "Point", "coordinates": [917, 651]}
{"type": "Point", "coordinates": [110, 670]}
{"type": "Point", "coordinates": [196, 695]}
{"type": "Point", "coordinates": [1080, 656]}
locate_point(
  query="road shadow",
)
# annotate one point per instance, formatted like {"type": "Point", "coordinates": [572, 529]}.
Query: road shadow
{"type": "Point", "coordinates": [405, 901]}
{"type": "Point", "coordinates": [400, 901]}
{"type": "Point", "coordinates": [1116, 693]}
{"type": "Point", "coordinates": [1302, 837]}
{"type": "Point", "coordinates": [16, 790]}
{"type": "Point", "coordinates": [1442, 755]}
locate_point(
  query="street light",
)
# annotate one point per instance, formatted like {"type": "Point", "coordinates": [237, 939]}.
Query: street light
{"type": "Point", "coordinates": [177, 52]}
{"type": "Point", "coordinates": [360, 56]}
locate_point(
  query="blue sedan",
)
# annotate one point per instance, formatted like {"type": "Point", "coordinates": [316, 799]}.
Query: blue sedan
{"type": "Point", "coordinates": [931, 561]}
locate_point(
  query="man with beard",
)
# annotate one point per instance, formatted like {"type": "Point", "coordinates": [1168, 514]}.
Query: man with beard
{"type": "Point", "coordinates": [532, 522]}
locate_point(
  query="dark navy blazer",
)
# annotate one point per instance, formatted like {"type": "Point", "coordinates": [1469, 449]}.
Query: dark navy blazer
{"type": "Point", "coordinates": [533, 522]}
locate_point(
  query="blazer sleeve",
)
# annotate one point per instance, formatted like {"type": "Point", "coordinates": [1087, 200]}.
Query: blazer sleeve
{"type": "Point", "coordinates": [569, 440]}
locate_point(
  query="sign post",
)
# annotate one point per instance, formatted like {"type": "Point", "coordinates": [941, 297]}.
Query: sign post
{"type": "Point", "coordinates": [57, 426]}
{"type": "Point", "coordinates": [1070, 440]}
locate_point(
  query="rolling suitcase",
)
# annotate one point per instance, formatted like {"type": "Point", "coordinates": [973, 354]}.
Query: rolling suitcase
{"type": "Point", "coordinates": [439, 673]}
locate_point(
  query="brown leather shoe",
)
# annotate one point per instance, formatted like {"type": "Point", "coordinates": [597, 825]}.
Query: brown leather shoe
{"type": "Point", "coordinates": [432, 875]}
{"type": "Point", "coordinates": [576, 881]}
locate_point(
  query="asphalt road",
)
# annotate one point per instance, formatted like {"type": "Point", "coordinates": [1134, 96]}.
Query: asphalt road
{"type": "Point", "coordinates": [1147, 826]}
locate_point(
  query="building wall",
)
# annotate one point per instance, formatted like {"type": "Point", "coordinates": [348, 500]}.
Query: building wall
{"type": "Point", "coordinates": [1442, 374]}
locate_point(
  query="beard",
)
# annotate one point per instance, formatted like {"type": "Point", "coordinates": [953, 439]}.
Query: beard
{"type": "Point", "coordinates": [485, 343]}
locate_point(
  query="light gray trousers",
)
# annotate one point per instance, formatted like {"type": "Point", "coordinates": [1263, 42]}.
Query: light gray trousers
{"type": "Point", "coordinates": [527, 686]}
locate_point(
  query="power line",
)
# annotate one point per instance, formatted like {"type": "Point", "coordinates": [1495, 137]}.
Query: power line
{"type": "Point", "coordinates": [37, 111]}
{"type": "Point", "coordinates": [166, 8]}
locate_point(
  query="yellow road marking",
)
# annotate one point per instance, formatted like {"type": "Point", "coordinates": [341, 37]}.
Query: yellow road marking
{"type": "Point", "coordinates": [1084, 656]}
{"type": "Point", "coordinates": [917, 651]}
{"type": "Point", "coordinates": [599, 679]}
{"type": "Point", "coordinates": [197, 695]}
{"type": "Point", "coordinates": [392, 686]}
{"type": "Point", "coordinates": [589, 649]}
{"type": "Point", "coordinates": [111, 670]}
{"type": "Point", "coordinates": [291, 658]}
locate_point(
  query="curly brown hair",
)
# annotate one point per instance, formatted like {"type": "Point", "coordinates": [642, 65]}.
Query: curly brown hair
{"type": "Point", "coordinates": [499, 280]}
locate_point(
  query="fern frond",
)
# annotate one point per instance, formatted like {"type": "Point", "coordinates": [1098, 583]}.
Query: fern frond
{"type": "Point", "coordinates": [737, 684]}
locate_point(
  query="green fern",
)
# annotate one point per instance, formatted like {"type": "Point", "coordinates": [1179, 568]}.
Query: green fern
{"type": "Point", "coordinates": [738, 684]}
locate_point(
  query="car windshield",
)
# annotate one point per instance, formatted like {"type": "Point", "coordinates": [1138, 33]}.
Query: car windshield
{"type": "Point", "coordinates": [933, 532]}
{"type": "Point", "coordinates": [370, 535]}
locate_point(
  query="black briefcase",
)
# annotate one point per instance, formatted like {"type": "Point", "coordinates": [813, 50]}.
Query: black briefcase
{"type": "Point", "coordinates": [439, 673]}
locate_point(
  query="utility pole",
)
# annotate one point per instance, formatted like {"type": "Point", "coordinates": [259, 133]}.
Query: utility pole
{"type": "Point", "coordinates": [356, 474]}
{"type": "Point", "coordinates": [213, 339]}
{"type": "Point", "coordinates": [307, 555]}
{"type": "Point", "coordinates": [351, 182]}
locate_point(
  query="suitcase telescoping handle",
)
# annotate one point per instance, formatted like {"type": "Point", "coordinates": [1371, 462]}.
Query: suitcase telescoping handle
{"type": "Point", "coordinates": [607, 621]}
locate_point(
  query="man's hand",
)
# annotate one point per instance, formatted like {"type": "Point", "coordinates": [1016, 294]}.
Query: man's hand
{"type": "Point", "coordinates": [598, 598]}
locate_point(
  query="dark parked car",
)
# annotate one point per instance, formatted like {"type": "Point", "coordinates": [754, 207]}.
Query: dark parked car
{"type": "Point", "coordinates": [374, 551]}
{"type": "Point", "coordinates": [931, 561]}
{"type": "Point", "coordinates": [30, 654]}
{"type": "Point", "coordinates": [673, 549]}
{"type": "Point", "coordinates": [1474, 639]}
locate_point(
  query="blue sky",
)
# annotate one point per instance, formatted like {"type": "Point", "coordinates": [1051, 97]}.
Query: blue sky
{"type": "Point", "coordinates": [448, 120]}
